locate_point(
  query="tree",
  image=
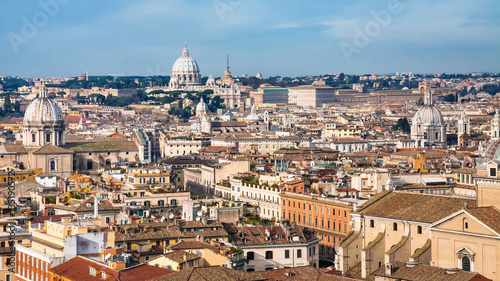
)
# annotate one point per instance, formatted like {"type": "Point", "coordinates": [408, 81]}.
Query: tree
{"type": "Point", "coordinates": [17, 106]}
{"type": "Point", "coordinates": [61, 94]}
{"type": "Point", "coordinates": [449, 98]}
{"type": "Point", "coordinates": [420, 102]}
{"type": "Point", "coordinates": [341, 76]}
{"type": "Point", "coordinates": [403, 125]}
{"type": "Point", "coordinates": [7, 104]}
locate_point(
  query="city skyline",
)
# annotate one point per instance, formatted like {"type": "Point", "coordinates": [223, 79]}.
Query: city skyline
{"type": "Point", "coordinates": [65, 38]}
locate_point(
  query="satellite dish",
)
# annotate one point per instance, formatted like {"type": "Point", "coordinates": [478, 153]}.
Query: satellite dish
{"type": "Point", "coordinates": [198, 218]}
{"type": "Point", "coordinates": [170, 216]}
{"type": "Point", "coordinates": [107, 256]}
{"type": "Point", "coordinates": [199, 213]}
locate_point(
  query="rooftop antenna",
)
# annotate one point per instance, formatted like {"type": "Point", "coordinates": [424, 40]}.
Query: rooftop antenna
{"type": "Point", "coordinates": [228, 62]}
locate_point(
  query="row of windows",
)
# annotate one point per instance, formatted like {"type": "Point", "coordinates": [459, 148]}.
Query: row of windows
{"type": "Point", "coordinates": [302, 219]}
{"type": "Point", "coordinates": [182, 145]}
{"type": "Point", "coordinates": [292, 203]}
{"type": "Point", "coordinates": [395, 226]}
{"type": "Point", "coordinates": [269, 254]}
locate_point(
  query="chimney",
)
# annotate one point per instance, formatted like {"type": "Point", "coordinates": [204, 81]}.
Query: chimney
{"type": "Point", "coordinates": [185, 256]}
{"type": "Point", "coordinates": [412, 263]}
{"type": "Point", "coordinates": [96, 205]}
{"type": "Point", "coordinates": [452, 270]}
{"type": "Point", "coordinates": [388, 269]}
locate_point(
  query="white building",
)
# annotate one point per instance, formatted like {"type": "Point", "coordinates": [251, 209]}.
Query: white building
{"type": "Point", "coordinates": [349, 145]}
{"type": "Point", "coordinates": [428, 128]}
{"type": "Point", "coordinates": [267, 198]}
{"type": "Point", "coordinates": [185, 72]}
{"type": "Point", "coordinates": [275, 247]}
{"type": "Point", "coordinates": [182, 145]}
{"type": "Point", "coordinates": [311, 96]}
{"type": "Point", "coordinates": [495, 126]}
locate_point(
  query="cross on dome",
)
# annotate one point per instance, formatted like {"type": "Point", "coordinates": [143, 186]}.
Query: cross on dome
{"type": "Point", "coordinates": [185, 51]}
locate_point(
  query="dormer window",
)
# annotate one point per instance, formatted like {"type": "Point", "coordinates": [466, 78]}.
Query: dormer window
{"type": "Point", "coordinates": [493, 172]}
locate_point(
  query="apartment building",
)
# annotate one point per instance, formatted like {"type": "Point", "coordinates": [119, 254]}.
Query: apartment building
{"type": "Point", "coordinates": [333, 130]}
{"type": "Point", "coordinates": [245, 143]}
{"type": "Point", "coordinates": [274, 247]}
{"type": "Point", "coordinates": [143, 177]}
{"type": "Point", "coordinates": [311, 96]}
{"type": "Point", "coordinates": [181, 145]}
{"type": "Point", "coordinates": [56, 243]}
{"type": "Point", "coordinates": [329, 217]}
{"type": "Point", "coordinates": [266, 197]}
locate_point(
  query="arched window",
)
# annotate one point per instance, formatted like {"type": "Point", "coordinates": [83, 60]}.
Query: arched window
{"type": "Point", "coordinates": [53, 166]}
{"type": "Point", "coordinates": [419, 229]}
{"type": "Point", "coordinates": [395, 226]}
{"type": "Point", "coordinates": [372, 223]}
{"type": "Point", "coordinates": [465, 224]}
{"type": "Point", "coordinates": [437, 135]}
{"type": "Point", "coordinates": [466, 264]}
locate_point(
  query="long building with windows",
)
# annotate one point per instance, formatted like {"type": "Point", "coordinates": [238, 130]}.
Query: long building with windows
{"type": "Point", "coordinates": [329, 217]}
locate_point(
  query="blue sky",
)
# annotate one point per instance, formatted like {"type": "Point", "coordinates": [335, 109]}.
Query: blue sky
{"type": "Point", "coordinates": [66, 37]}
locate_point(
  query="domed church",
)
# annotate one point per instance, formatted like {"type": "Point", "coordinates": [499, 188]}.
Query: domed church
{"type": "Point", "coordinates": [43, 123]}
{"type": "Point", "coordinates": [185, 72]}
{"type": "Point", "coordinates": [428, 128]}
{"type": "Point", "coordinates": [45, 145]}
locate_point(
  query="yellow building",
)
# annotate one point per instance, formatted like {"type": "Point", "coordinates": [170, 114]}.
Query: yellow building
{"type": "Point", "coordinates": [210, 255]}
{"type": "Point", "coordinates": [176, 260]}
{"type": "Point", "coordinates": [57, 242]}
{"type": "Point", "coordinates": [394, 226]}
{"type": "Point", "coordinates": [142, 177]}
{"type": "Point", "coordinates": [20, 175]}
{"type": "Point", "coordinates": [420, 163]}
{"type": "Point", "coordinates": [470, 240]}
{"type": "Point", "coordinates": [334, 130]}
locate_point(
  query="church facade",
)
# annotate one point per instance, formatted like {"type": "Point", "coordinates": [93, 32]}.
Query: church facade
{"type": "Point", "coordinates": [428, 128]}
{"type": "Point", "coordinates": [45, 144]}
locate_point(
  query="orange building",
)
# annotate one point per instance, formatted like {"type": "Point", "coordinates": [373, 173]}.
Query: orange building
{"type": "Point", "coordinates": [328, 217]}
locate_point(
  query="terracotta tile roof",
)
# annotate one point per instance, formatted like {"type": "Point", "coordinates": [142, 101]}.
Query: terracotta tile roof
{"type": "Point", "coordinates": [348, 140]}
{"type": "Point", "coordinates": [102, 144]}
{"type": "Point", "coordinates": [78, 268]}
{"type": "Point", "coordinates": [413, 206]}
{"type": "Point", "coordinates": [51, 149]}
{"type": "Point", "coordinates": [487, 215]}
{"type": "Point", "coordinates": [296, 274]}
{"type": "Point", "coordinates": [187, 245]}
{"type": "Point", "coordinates": [178, 256]}
{"type": "Point", "coordinates": [14, 148]}
{"type": "Point", "coordinates": [248, 236]}
{"type": "Point", "coordinates": [41, 219]}
{"type": "Point", "coordinates": [104, 205]}
{"type": "Point", "coordinates": [171, 234]}
{"type": "Point", "coordinates": [211, 273]}
{"type": "Point", "coordinates": [422, 272]}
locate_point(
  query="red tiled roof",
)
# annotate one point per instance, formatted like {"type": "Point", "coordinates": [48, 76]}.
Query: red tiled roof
{"type": "Point", "coordinates": [79, 269]}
